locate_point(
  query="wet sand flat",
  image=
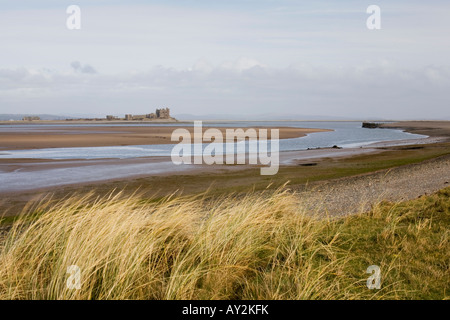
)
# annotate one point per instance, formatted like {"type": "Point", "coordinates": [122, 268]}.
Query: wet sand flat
{"type": "Point", "coordinates": [66, 137]}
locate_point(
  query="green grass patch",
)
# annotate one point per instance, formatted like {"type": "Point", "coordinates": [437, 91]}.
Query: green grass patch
{"type": "Point", "coordinates": [410, 241]}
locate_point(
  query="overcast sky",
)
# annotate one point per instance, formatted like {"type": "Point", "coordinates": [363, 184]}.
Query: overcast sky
{"type": "Point", "coordinates": [225, 57]}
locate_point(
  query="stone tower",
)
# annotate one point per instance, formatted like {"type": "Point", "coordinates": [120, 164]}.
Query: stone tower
{"type": "Point", "coordinates": [163, 113]}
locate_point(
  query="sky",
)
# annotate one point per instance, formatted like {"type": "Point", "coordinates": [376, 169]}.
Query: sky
{"type": "Point", "coordinates": [292, 57]}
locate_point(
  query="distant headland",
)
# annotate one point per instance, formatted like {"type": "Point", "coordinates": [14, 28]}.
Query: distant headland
{"type": "Point", "coordinates": [160, 115]}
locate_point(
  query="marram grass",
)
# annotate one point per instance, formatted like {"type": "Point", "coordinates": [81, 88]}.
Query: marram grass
{"type": "Point", "coordinates": [259, 246]}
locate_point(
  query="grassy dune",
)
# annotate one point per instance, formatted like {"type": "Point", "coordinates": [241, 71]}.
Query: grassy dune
{"type": "Point", "coordinates": [259, 246]}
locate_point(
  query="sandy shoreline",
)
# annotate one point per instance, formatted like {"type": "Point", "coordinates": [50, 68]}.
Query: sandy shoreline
{"type": "Point", "coordinates": [359, 193]}
{"type": "Point", "coordinates": [334, 195]}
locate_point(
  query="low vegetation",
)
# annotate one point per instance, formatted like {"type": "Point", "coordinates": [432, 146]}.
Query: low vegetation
{"type": "Point", "coordinates": [258, 246]}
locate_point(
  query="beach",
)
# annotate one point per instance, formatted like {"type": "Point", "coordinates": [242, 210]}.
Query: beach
{"type": "Point", "coordinates": [344, 184]}
{"type": "Point", "coordinates": [158, 176]}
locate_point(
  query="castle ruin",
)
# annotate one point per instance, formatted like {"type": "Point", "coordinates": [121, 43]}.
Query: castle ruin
{"type": "Point", "coordinates": [160, 114]}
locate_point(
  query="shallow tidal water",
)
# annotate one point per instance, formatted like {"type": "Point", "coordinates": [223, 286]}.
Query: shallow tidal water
{"type": "Point", "coordinates": [344, 135]}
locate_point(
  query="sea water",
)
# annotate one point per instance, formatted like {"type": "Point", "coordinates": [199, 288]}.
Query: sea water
{"type": "Point", "coordinates": [344, 135]}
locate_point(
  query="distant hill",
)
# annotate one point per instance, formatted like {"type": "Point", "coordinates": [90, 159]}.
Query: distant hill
{"type": "Point", "coordinates": [212, 116]}
{"type": "Point", "coordinates": [261, 117]}
{"type": "Point", "coordinates": [7, 117]}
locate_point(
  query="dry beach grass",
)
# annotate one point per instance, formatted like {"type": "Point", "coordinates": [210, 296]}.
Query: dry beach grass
{"type": "Point", "coordinates": [258, 246]}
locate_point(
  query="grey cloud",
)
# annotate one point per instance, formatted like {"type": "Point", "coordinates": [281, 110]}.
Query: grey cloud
{"type": "Point", "coordinates": [379, 90]}
{"type": "Point", "coordinates": [78, 67]}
